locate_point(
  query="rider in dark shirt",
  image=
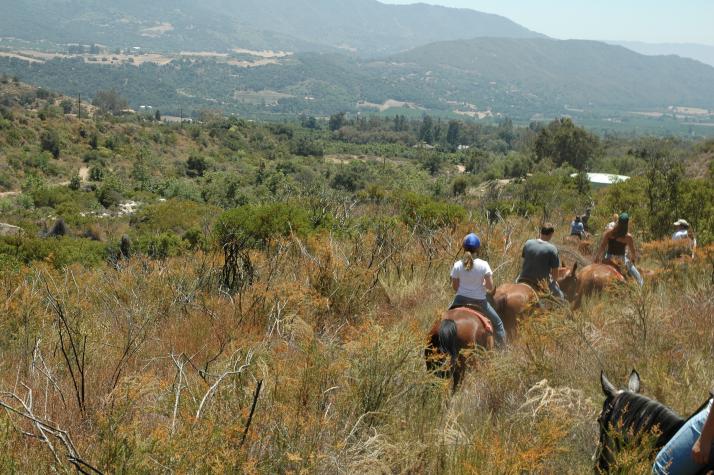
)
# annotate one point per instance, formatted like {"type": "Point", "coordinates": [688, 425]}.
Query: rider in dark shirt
{"type": "Point", "coordinates": [615, 244]}
{"type": "Point", "coordinates": [541, 261]}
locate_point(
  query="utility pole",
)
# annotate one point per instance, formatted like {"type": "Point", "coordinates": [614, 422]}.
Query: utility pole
{"type": "Point", "coordinates": [181, 114]}
{"type": "Point", "coordinates": [79, 106]}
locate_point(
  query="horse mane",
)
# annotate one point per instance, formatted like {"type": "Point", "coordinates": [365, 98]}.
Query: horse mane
{"type": "Point", "coordinates": [639, 414]}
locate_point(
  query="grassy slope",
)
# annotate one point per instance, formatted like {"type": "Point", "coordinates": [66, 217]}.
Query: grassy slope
{"type": "Point", "coordinates": [334, 328]}
{"type": "Point", "coordinates": [344, 388]}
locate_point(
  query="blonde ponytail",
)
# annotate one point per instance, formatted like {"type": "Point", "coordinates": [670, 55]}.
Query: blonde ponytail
{"type": "Point", "coordinates": [468, 261]}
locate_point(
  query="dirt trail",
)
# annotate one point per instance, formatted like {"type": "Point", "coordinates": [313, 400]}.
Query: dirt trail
{"type": "Point", "coordinates": [84, 173]}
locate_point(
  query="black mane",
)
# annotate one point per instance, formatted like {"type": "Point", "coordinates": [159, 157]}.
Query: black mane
{"type": "Point", "coordinates": [632, 416]}
{"type": "Point", "coordinates": [639, 414]}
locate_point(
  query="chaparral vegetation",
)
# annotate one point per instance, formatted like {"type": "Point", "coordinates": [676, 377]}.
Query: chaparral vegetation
{"type": "Point", "coordinates": [233, 296]}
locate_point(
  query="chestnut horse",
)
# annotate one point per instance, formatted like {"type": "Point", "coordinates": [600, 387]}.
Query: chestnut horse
{"type": "Point", "coordinates": [514, 301]}
{"type": "Point", "coordinates": [592, 279]}
{"type": "Point", "coordinates": [458, 329]}
{"type": "Point", "coordinates": [511, 302]}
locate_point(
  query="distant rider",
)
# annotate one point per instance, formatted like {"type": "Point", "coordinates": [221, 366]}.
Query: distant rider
{"type": "Point", "coordinates": [586, 219]}
{"type": "Point", "coordinates": [615, 244]}
{"type": "Point", "coordinates": [541, 261]}
{"type": "Point", "coordinates": [613, 223]}
{"type": "Point", "coordinates": [577, 228]}
{"type": "Point", "coordinates": [471, 279]}
{"type": "Point", "coordinates": [683, 233]}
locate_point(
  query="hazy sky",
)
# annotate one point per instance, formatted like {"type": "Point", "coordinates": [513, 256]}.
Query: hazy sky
{"type": "Point", "coordinates": [653, 21]}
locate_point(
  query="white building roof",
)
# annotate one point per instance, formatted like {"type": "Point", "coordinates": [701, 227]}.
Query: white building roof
{"type": "Point", "coordinates": [604, 178]}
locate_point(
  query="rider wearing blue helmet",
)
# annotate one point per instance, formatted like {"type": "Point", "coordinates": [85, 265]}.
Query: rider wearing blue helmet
{"type": "Point", "coordinates": [472, 278]}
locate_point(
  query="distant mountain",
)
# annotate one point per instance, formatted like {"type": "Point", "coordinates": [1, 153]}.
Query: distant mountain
{"type": "Point", "coordinates": [367, 27]}
{"type": "Point", "coordinates": [703, 53]}
{"type": "Point", "coordinates": [370, 26]}
{"type": "Point", "coordinates": [482, 77]}
{"type": "Point", "coordinates": [576, 73]}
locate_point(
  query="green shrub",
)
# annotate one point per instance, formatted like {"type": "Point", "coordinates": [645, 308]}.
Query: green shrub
{"type": "Point", "coordinates": [161, 246]}
{"type": "Point", "coordinates": [176, 216]}
{"type": "Point", "coordinates": [110, 193]}
{"type": "Point", "coordinates": [259, 225]}
{"type": "Point", "coordinates": [420, 210]}
{"type": "Point", "coordinates": [59, 252]}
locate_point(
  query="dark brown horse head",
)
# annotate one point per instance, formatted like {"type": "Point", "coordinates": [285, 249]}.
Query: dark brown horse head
{"type": "Point", "coordinates": [568, 281]}
{"type": "Point", "coordinates": [626, 417]}
{"type": "Point", "coordinates": [605, 449]}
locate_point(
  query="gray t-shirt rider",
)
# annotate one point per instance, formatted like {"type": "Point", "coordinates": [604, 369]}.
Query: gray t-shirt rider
{"type": "Point", "coordinates": [539, 257]}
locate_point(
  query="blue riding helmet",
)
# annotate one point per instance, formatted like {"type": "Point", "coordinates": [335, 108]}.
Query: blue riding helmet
{"type": "Point", "coordinates": [472, 242]}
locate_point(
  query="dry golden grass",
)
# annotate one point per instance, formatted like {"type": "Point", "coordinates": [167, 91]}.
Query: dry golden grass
{"type": "Point", "coordinates": [318, 367]}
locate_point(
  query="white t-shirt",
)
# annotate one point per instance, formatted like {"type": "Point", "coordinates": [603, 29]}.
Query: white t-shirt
{"type": "Point", "coordinates": [681, 234]}
{"type": "Point", "coordinates": [471, 282]}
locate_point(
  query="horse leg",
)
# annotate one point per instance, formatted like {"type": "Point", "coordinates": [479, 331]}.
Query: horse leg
{"type": "Point", "coordinates": [457, 372]}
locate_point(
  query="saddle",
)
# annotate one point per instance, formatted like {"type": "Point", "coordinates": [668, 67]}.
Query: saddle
{"type": "Point", "coordinates": [476, 312]}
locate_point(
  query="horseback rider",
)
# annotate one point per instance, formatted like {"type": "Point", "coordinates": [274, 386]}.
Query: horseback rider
{"type": "Point", "coordinates": [613, 223]}
{"type": "Point", "coordinates": [471, 279]}
{"type": "Point", "coordinates": [681, 230]}
{"type": "Point", "coordinates": [615, 244]}
{"type": "Point", "coordinates": [577, 228]}
{"type": "Point", "coordinates": [541, 261]}
{"type": "Point", "coordinates": [690, 450]}
{"type": "Point", "coordinates": [585, 219]}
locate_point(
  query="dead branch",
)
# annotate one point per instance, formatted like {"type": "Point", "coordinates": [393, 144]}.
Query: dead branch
{"type": "Point", "coordinates": [238, 370]}
{"type": "Point", "coordinates": [256, 395]}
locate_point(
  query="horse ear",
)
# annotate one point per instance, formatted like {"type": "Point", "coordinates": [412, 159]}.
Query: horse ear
{"type": "Point", "coordinates": [575, 267]}
{"type": "Point", "coordinates": [607, 388]}
{"type": "Point", "coordinates": [634, 383]}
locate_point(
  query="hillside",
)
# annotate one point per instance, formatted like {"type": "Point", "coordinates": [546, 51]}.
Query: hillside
{"type": "Point", "coordinates": [237, 296]}
{"type": "Point", "coordinates": [584, 74]}
{"type": "Point", "coordinates": [703, 53]}
{"type": "Point", "coordinates": [484, 78]}
{"type": "Point", "coordinates": [365, 26]}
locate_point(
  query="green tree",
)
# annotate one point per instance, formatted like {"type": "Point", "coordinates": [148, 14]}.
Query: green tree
{"type": "Point", "coordinates": [337, 121]}
{"type": "Point", "coordinates": [67, 106]}
{"type": "Point", "coordinates": [109, 101]}
{"type": "Point", "coordinates": [50, 142]}
{"type": "Point", "coordinates": [453, 134]}
{"type": "Point", "coordinates": [664, 180]}
{"type": "Point", "coordinates": [196, 166]}
{"type": "Point", "coordinates": [426, 131]}
{"type": "Point", "coordinates": [432, 161]}
{"type": "Point", "coordinates": [565, 143]}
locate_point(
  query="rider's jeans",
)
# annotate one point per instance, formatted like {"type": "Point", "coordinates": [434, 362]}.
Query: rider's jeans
{"type": "Point", "coordinates": [676, 456]}
{"type": "Point", "coordinates": [631, 269]}
{"type": "Point", "coordinates": [489, 312]}
{"type": "Point", "coordinates": [555, 290]}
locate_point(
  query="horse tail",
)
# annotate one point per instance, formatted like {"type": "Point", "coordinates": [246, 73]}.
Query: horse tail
{"type": "Point", "coordinates": [448, 341]}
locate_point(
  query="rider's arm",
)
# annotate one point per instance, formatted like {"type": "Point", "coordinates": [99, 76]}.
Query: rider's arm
{"type": "Point", "coordinates": [702, 447]}
{"type": "Point", "coordinates": [554, 274]}
{"type": "Point", "coordinates": [455, 284]}
{"type": "Point", "coordinates": [488, 282]}
{"type": "Point", "coordinates": [633, 251]}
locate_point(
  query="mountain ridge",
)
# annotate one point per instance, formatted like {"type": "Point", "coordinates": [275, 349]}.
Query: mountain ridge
{"type": "Point", "coordinates": [366, 27]}
{"type": "Point", "coordinates": [700, 52]}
